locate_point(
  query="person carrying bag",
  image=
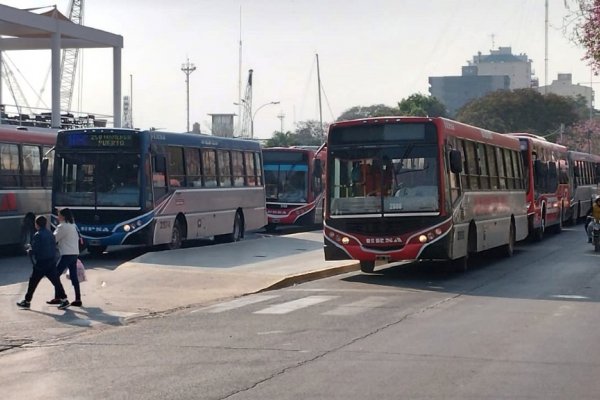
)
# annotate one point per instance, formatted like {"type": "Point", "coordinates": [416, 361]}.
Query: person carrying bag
{"type": "Point", "coordinates": [67, 240]}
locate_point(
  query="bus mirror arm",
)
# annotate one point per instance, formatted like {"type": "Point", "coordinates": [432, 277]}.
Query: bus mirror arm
{"type": "Point", "coordinates": [44, 168]}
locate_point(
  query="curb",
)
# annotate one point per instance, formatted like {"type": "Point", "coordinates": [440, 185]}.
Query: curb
{"type": "Point", "coordinates": [311, 276]}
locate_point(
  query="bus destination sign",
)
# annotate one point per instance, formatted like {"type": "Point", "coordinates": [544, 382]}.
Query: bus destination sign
{"type": "Point", "coordinates": [99, 140]}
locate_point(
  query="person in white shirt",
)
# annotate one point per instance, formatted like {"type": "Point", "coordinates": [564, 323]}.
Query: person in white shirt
{"type": "Point", "coordinates": [67, 240]}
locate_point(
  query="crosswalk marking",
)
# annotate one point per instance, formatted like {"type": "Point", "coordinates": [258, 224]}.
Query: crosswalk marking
{"type": "Point", "coordinates": [294, 305]}
{"type": "Point", "coordinates": [358, 306]}
{"type": "Point", "coordinates": [237, 303]}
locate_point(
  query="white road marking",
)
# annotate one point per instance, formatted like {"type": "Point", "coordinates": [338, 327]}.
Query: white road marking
{"type": "Point", "coordinates": [570, 296]}
{"type": "Point", "coordinates": [358, 306]}
{"type": "Point", "coordinates": [236, 303]}
{"type": "Point", "coordinates": [294, 305]}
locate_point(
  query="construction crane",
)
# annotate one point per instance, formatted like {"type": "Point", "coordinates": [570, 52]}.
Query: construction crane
{"type": "Point", "coordinates": [68, 66]}
{"type": "Point", "coordinates": [14, 88]}
{"type": "Point", "coordinates": [247, 113]}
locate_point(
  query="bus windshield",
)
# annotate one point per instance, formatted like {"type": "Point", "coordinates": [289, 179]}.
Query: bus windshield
{"type": "Point", "coordinates": [100, 180]}
{"type": "Point", "coordinates": [286, 182]}
{"type": "Point", "coordinates": [390, 179]}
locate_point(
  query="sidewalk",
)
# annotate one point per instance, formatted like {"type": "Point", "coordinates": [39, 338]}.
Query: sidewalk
{"type": "Point", "coordinates": [161, 282]}
{"type": "Point", "coordinates": [168, 280]}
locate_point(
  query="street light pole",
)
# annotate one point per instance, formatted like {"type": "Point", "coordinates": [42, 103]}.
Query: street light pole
{"type": "Point", "coordinates": [187, 69]}
{"type": "Point", "coordinates": [254, 115]}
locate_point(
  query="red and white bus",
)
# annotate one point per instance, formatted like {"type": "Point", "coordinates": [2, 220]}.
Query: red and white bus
{"type": "Point", "coordinates": [584, 175]}
{"type": "Point", "coordinates": [419, 188]}
{"type": "Point", "coordinates": [547, 184]}
{"type": "Point", "coordinates": [294, 183]}
{"type": "Point", "coordinates": [23, 192]}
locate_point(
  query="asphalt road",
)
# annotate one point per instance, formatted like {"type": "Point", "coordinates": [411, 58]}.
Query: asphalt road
{"type": "Point", "coordinates": [523, 327]}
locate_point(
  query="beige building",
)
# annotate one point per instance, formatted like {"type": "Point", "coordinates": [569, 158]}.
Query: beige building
{"type": "Point", "coordinates": [502, 62]}
{"type": "Point", "coordinates": [564, 86]}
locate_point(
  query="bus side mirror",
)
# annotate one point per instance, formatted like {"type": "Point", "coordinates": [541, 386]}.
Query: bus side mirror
{"type": "Point", "coordinates": [317, 168]}
{"type": "Point", "coordinates": [455, 161]}
{"type": "Point", "coordinates": [160, 164]}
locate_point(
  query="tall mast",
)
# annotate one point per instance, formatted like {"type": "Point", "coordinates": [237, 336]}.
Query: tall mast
{"type": "Point", "coordinates": [239, 102]}
{"type": "Point", "coordinates": [319, 89]}
{"type": "Point", "coordinates": [546, 50]}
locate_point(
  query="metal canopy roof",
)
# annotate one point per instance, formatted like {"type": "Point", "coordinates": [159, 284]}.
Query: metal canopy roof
{"type": "Point", "coordinates": [25, 30]}
{"type": "Point", "coordinates": [30, 31]}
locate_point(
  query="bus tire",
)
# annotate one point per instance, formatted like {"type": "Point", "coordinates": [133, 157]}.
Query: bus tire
{"type": "Point", "coordinates": [270, 228]}
{"type": "Point", "coordinates": [367, 266]}
{"type": "Point", "coordinates": [539, 232]}
{"type": "Point", "coordinates": [176, 237]}
{"type": "Point", "coordinates": [559, 227]}
{"type": "Point", "coordinates": [27, 231]}
{"type": "Point", "coordinates": [236, 235]}
{"type": "Point", "coordinates": [96, 250]}
{"type": "Point", "coordinates": [509, 248]}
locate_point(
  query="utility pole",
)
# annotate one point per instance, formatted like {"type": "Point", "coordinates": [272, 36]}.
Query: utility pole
{"type": "Point", "coordinates": [187, 69]}
{"type": "Point", "coordinates": [281, 116]}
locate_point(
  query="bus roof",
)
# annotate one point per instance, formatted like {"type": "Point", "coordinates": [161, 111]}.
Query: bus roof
{"type": "Point", "coordinates": [178, 139]}
{"type": "Point", "coordinates": [18, 134]}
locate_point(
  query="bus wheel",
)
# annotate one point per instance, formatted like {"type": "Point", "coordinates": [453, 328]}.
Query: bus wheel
{"type": "Point", "coordinates": [236, 235]}
{"type": "Point", "coordinates": [509, 248]}
{"type": "Point", "coordinates": [539, 232]}
{"type": "Point", "coordinates": [176, 239]}
{"type": "Point", "coordinates": [270, 228]}
{"type": "Point", "coordinates": [27, 231]}
{"type": "Point", "coordinates": [559, 227]}
{"type": "Point", "coordinates": [96, 250]}
{"type": "Point", "coordinates": [367, 266]}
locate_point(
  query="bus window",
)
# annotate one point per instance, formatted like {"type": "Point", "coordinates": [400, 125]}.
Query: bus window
{"type": "Point", "coordinates": [223, 162]}
{"type": "Point", "coordinates": [250, 169]}
{"type": "Point", "coordinates": [48, 154]}
{"type": "Point", "coordinates": [31, 166]}
{"type": "Point", "coordinates": [176, 168]}
{"type": "Point", "coordinates": [209, 167]}
{"type": "Point", "coordinates": [237, 163]}
{"type": "Point", "coordinates": [9, 165]}
{"type": "Point", "coordinates": [192, 167]}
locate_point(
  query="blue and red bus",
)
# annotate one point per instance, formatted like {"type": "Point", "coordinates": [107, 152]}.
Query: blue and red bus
{"type": "Point", "coordinates": [149, 187]}
{"type": "Point", "coordinates": [420, 188]}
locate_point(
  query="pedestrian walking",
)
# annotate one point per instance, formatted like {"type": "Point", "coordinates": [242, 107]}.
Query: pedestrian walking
{"type": "Point", "coordinates": [67, 240]}
{"type": "Point", "coordinates": [43, 253]}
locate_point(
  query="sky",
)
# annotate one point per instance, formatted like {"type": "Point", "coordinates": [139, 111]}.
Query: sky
{"type": "Point", "coordinates": [370, 52]}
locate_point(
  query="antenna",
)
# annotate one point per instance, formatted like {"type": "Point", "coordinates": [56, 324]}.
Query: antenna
{"type": "Point", "coordinates": [493, 36]}
{"type": "Point", "coordinates": [281, 117]}
{"type": "Point", "coordinates": [187, 69]}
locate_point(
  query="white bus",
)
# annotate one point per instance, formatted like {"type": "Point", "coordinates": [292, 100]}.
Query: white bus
{"type": "Point", "coordinates": [23, 192]}
{"type": "Point", "coordinates": [147, 187]}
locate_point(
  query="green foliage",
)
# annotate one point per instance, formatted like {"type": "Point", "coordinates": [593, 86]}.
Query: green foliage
{"type": "Point", "coordinates": [307, 133]}
{"type": "Point", "coordinates": [376, 110]}
{"type": "Point", "coordinates": [521, 110]}
{"type": "Point", "coordinates": [422, 106]}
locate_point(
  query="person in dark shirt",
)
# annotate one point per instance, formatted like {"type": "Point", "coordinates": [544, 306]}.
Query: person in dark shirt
{"type": "Point", "coordinates": [43, 254]}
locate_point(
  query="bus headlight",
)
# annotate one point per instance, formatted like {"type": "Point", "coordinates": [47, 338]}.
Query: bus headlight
{"type": "Point", "coordinates": [345, 240]}
{"type": "Point", "coordinates": [126, 228]}
{"type": "Point", "coordinates": [422, 238]}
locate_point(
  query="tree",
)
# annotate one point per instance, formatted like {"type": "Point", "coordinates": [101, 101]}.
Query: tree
{"type": "Point", "coordinates": [281, 139]}
{"type": "Point", "coordinates": [376, 110]}
{"type": "Point", "coordinates": [583, 136]}
{"type": "Point", "coordinates": [422, 106]}
{"type": "Point", "coordinates": [583, 25]}
{"type": "Point", "coordinates": [521, 110]}
{"type": "Point", "coordinates": [307, 133]}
